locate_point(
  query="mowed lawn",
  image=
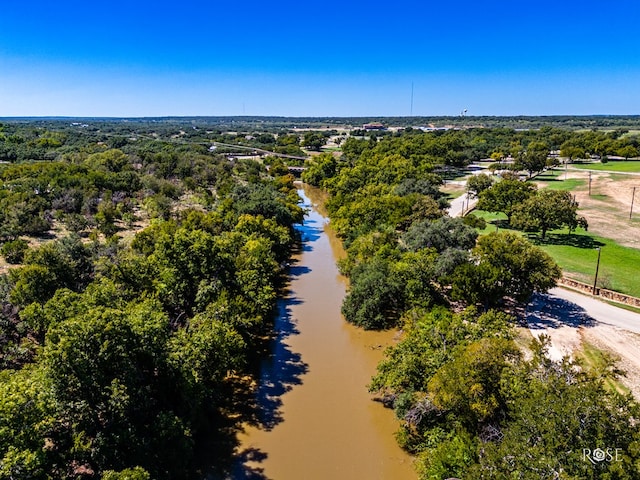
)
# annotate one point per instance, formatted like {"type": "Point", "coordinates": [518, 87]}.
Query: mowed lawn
{"type": "Point", "coordinates": [628, 166]}
{"type": "Point", "coordinates": [555, 180]}
{"type": "Point", "coordinates": [577, 255]}
{"type": "Point", "coordinates": [569, 184]}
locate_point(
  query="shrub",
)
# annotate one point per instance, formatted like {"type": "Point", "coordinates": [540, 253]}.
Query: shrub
{"type": "Point", "coordinates": [14, 250]}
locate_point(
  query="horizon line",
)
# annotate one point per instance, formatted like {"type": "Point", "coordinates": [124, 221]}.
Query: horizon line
{"type": "Point", "coordinates": [457, 117]}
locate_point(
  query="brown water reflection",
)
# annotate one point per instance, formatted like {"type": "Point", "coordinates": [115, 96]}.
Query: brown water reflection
{"type": "Point", "coordinates": [317, 420]}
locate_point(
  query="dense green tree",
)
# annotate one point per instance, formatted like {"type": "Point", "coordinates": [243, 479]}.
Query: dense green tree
{"type": "Point", "coordinates": [14, 251]}
{"type": "Point", "coordinates": [572, 152]}
{"type": "Point", "coordinates": [428, 184]}
{"type": "Point", "coordinates": [534, 159]}
{"type": "Point", "coordinates": [476, 184]}
{"type": "Point", "coordinates": [555, 413]}
{"type": "Point", "coordinates": [314, 140]}
{"type": "Point", "coordinates": [111, 160]}
{"type": "Point", "coordinates": [110, 376]}
{"type": "Point", "coordinates": [137, 473]}
{"type": "Point", "coordinates": [288, 139]}
{"type": "Point", "coordinates": [382, 244]}
{"type": "Point", "coordinates": [469, 385]}
{"type": "Point", "coordinates": [259, 199]}
{"type": "Point", "coordinates": [320, 168]}
{"type": "Point", "coordinates": [627, 151]}
{"type": "Point", "coordinates": [279, 236]}
{"type": "Point", "coordinates": [26, 420]}
{"type": "Point", "coordinates": [428, 343]}
{"type": "Point", "coordinates": [547, 210]}
{"type": "Point", "coordinates": [353, 147]}
{"type": "Point", "coordinates": [370, 213]}
{"type": "Point", "coordinates": [443, 233]}
{"type": "Point", "coordinates": [505, 195]}
{"type": "Point", "coordinates": [507, 265]}
{"type": "Point", "coordinates": [375, 298]}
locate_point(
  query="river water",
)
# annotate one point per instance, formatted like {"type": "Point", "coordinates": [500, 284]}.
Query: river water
{"type": "Point", "coordinates": [318, 420]}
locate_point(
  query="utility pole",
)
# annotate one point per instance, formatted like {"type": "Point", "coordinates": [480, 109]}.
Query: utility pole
{"type": "Point", "coordinates": [633, 196]}
{"type": "Point", "coordinates": [595, 280]}
{"type": "Point", "coordinates": [411, 111]}
{"type": "Point", "coordinates": [589, 183]}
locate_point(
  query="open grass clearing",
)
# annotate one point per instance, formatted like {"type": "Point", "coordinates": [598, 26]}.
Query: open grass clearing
{"type": "Point", "coordinates": [548, 176]}
{"type": "Point", "coordinates": [559, 180]}
{"type": "Point", "coordinates": [625, 166]}
{"type": "Point", "coordinates": [453, 191]}
{"type": "Point", "coordinates": [577, 254]}
{"type": "Point", "coordinates": [494, 220]}
{"type": "Point", "coordinates": [568, 184]}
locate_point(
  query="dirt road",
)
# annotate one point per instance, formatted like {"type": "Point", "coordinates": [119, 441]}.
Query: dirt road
{"type": "Point", "coordinates": [570, 318]}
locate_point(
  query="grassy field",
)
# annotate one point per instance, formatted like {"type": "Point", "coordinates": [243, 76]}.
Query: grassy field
{"type": "Point", "coordinates": [555, 180]}
{"type": "Point", "coordinates": [494, 220]}
{"type": "Point", "coordinates": [453, 193]}
{"type": "Point", "coordinates": [629, 166]}
{"type": "Point", "coordinates": [569, 184]}
{"type": "Point", "coordinates": [577, 255]}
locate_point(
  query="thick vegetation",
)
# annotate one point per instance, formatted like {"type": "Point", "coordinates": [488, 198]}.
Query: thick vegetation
{"type": "Point", "coordinates": [134, 359]}
{"type": "Point", "coordinates": [471, 401]}
{"type": "Point", "coordinates": [143, 266]}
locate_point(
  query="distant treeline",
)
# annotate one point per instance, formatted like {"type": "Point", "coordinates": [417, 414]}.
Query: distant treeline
{"type": "Point", "coordinates": [269, 123]}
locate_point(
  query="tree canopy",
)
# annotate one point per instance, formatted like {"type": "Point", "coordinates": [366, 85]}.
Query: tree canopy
{"type": "Point", "coordinates": [547, 210]}
{"type": "Point", "coordinates": [126, 358]}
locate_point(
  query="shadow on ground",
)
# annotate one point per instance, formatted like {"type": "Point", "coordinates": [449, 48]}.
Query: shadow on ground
{"type": "Point", "coordinates": [570, 239]}
{"type": "Point", "coordinates": [548, 311]}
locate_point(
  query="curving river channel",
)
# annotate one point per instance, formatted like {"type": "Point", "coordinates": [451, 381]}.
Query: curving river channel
{"type": "Point", "coordinates": [318, 420]}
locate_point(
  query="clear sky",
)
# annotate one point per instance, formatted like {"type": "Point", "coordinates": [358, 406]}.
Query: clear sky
{"type": "Point", "coordinates": [312, 58]}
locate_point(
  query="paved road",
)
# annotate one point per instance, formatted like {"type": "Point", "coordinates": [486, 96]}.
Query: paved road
{"type": "Point", "coordinates": [566, 316]}
{"type": "Point", "coordinates": [599, 311]}
{"type": "Point", "coordinates": [570, 308]}
{"type": "Point", "coordinates": [459, 205]}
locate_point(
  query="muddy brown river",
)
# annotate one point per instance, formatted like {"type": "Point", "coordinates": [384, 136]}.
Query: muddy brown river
{"type": "Point", "coordinates": [318, 420]}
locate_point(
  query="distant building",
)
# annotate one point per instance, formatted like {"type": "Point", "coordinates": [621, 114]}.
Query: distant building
{"type": "Point", "coordinates": [373, 126]}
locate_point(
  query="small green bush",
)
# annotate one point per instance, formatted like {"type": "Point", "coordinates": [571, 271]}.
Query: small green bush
{"type": "Point", "coordinates": [14, 250]}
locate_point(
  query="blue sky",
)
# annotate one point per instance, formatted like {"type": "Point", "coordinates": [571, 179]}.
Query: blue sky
{"type": "Point", "coordinates": [330, 58]}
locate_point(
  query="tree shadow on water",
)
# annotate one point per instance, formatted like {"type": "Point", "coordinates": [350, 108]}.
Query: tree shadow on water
{"type": "Point", "coordinates": [298, 270]}
{"type": "Point", "coordinates": [310, 231]}
{"type": "Point", "coordinates": [280, 371]}
{"type": "Point", "coordinates": [242, 471]}
{"type": "Point", "coordinates": [548, 311]}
